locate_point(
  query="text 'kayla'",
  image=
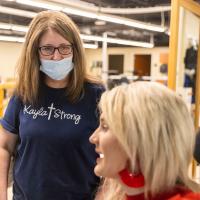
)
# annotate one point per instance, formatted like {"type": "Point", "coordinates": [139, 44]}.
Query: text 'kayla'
{"type": "Point", "coordinates": [51, 112]}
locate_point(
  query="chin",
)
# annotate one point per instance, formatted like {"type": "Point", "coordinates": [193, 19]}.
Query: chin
{"type": "Point", "coordinates": [102, 173]}
{"type": "Point", "coordinates": [97, 171]}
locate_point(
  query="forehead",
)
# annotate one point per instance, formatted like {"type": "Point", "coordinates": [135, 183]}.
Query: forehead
{"type": "Point", "coordinates": [51, 37]}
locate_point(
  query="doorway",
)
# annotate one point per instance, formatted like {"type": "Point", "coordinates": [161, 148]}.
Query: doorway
{"type": "Point", "coordinates": [142, 65]}
{"type": "Point", "coordinates": [116, 64]}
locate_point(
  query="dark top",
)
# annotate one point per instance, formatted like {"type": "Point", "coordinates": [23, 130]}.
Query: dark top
{"type": "Point", "coordinates": [54, 159]}
{"type": "Point", "coordinates": [190, 59]}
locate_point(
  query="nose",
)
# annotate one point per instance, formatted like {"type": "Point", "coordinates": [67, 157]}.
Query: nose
{"type": "Point", "coordinates": [93, 138]}
{"type": "Point", "coordinates": [57, 55]}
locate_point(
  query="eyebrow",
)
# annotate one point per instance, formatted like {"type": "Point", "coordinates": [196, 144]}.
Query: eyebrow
{"type": "Point", "coordinates": [66, 44]}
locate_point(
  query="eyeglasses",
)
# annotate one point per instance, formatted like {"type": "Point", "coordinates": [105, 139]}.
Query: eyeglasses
{"type": "Point", "coordinates": [49, 50]}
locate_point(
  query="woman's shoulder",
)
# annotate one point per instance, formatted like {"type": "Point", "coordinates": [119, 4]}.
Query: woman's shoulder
{"type": "Point", "coordinates": [93, 80]}
{"type": "Point", "coordinates": [93, 90]}
{"type": "Point", "coordinates": [94, 84]}
{"type": "Point", "coordinates": [15, 99]}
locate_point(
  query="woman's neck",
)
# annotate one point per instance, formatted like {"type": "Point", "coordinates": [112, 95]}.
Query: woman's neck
{"type": "Point", "coordinates": [56, 83]}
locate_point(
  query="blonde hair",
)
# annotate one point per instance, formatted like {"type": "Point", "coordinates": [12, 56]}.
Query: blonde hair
{"type": "Point", "coordinates": [153, 124]}
{"type": "Point", "coordinates": [29, 77]}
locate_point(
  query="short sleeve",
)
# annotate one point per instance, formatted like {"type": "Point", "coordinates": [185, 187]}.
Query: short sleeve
{"type": "Point", "coordinates": [11, 121]}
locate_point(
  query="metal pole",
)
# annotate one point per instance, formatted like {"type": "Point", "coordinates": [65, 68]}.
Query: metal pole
{"type": "Point", "coordinates": [104, 59]}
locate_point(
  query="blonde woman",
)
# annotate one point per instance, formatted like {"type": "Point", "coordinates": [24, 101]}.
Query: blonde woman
{"type": "Point", "coordinates": [145, 141]}
{"type": "Point", "coordinates": [51, 116]}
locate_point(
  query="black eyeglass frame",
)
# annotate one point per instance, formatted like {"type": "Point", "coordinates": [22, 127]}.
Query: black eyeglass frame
{"type": "Point", "coordinates": [54, 48]}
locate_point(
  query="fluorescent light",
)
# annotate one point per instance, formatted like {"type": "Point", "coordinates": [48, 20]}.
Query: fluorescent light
{"type": "Point", "coordinates": [19, 28]}
{"type": "Point", "coordinates": [11, 38]}
{"type": "Point", "coordinates": [21, 40]}
{"type": "Point", "coordinates": [13, 11]}
{"type": "Point", "coordinates": [94, 15]}
{"type": "Point", "coordinates": [90, 46]}
{"type": "Point", "coordinates": [117, 41]}
{"type": "Point", "coordinates": [86, 37]}
{"type": "Point", "coordinates": [130, 43]}
{"type": "Point", "coordinates": [115, 19]}
{"type": "Point", "coordinates": [39, 5]}
{"type": "Point", "coordinates": [5, 26]}
{"type": "Point", "coordinates": [13, 27]}
{"type": "Point", "coordinates": [128, 11]}
{"type": "Point", "coordinates": [79, 12]}
{"type": "Point", "coordinates": [132, 23]}
{"type": "Point", "coordinates": [92, 38]}
{"type": "Point", "coordinates": [124, 11]}
{"type": "Point", "coordinates": [99, 22]}
{"type": "Point", "coordinates": [144, 26]}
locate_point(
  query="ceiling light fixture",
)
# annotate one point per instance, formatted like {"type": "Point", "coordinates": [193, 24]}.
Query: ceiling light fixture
{"type": "Point", "coordinates": [13, 27]}
{"type": "Point", "coordinates": [11, 38]}
{"type": "Point", "coordinates": [40, 4]}
{"type": "Point", "coordinates": [19, 28]}
{"type": "Point", "coordinates": [125, 11]}
{"type": "Point", "coordinates": [87, 37]}
{"type": "Point", "coordinates": [128, 11]}
{"type": "Point", "coordinates": [92, 38]}
{"type": "Point", "coordinates": [99, 23]}
{"type": "Point", "coordinates": [94, 15]}
{"type": "Point", "coordinates": [132, 23]}
{"type": "Point", "coordinates": [13, 11]}
{"type": "Point", "coordinates": [21, 40]}
{"type": "Point", "coordinates": [117, 41]}
{"type": "Point", "coordinates": [5, 26]}
{"type": "Point", "coordinates": [78, 12]}
{"type": "Point", "coordinates": [90, 46]}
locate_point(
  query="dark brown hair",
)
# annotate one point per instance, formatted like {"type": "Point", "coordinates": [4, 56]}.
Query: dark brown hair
{"type": "Point", "coordinates": [29, 76]}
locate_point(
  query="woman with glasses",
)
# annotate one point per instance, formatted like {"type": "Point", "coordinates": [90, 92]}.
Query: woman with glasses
{"type": "Point", "coordinates": [50, 117]}
{"type": "Point", "coordinates": [145, 143]}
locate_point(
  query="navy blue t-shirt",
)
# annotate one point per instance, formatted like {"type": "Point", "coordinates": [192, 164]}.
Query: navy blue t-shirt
{"type": "Point", "coordinates": [54, 159]}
